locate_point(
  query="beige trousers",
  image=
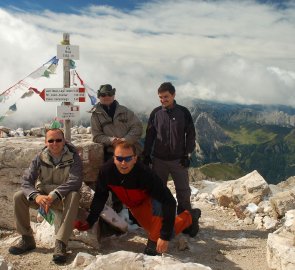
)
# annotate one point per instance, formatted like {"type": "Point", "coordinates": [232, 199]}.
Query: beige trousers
{"type": "Point", "coordinates": [68, 206]}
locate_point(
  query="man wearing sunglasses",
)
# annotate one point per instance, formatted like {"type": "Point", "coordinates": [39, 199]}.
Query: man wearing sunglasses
{"type": "Point", "coordinates": [143, 192]}
{"type": "Point", "coordinates": [112, 123]}
{"type": "Point", "coordinates": [52, 181]}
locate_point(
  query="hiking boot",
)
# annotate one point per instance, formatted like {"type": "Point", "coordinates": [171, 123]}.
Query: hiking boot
{"type": "Point", "coordinates": [194, 228]}
{"type": "Point", "coordinates": [60, 252]}
{"type": "Point", "coordinates": [151, 248]}
{"type": "Point", "coordinates": [27, 243]}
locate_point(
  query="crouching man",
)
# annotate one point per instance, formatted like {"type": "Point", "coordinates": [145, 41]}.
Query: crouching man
{"type": "Point", "coordinates": [52, 181]}
{"type": "Point", "coordinates": [143, 192]}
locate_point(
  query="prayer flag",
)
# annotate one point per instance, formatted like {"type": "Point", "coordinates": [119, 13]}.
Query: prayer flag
{"type": "Point", "coordinates": [92, 99]}
{"type": "Point", "coordinates": [27, 94]}
{"type": "Point", "coordinates": [13, 107]}
{"type": "Point", "coordinates": [35, 90]}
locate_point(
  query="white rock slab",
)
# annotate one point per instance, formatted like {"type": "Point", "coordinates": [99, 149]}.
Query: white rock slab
{"type": "Point", "coordinates": [123, 260]}
{"type": "Point", "coordinates": [280, 252]}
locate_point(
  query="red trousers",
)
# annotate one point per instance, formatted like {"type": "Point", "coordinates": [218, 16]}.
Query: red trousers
{"type": "Point", "coordinates": [145, 215]}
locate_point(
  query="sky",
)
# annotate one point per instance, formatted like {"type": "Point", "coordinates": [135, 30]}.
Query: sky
{"type": "Point", "coordinates": [226, 51]}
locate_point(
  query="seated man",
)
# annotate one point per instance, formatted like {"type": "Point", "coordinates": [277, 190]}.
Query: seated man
{"type": "Point", "coordinates": [52, 181]}
{"type": "Point", "coordinates": [148, 199]}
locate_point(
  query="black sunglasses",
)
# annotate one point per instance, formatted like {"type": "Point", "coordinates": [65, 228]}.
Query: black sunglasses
{"type": "Point", "coordinates": [106, 94]}
{"type": "Point", "coordinates": [126, 159]}
{"type": "Point", "coordinates": [56, 140]}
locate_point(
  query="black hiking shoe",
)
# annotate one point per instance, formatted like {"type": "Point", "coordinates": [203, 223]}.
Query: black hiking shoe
{"type": "Point", "coordinates": [151, 248]}
{"type": "Point", "coordinates": [26, 243]}
{"type": "Point", "coordinates": [194, 228]}
{"type": "Point", "coordinates": [60, 252]}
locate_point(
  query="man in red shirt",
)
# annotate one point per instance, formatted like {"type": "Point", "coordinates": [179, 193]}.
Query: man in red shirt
{"type": "Point", "coordinates": [145, 195]}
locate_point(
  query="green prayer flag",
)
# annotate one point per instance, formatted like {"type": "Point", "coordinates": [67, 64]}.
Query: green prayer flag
{"type": "Point", "coordinates": [55, 124]}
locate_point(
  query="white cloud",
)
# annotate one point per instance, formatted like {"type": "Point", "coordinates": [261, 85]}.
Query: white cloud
{"type": "Point", "coordinates": [235, 51]}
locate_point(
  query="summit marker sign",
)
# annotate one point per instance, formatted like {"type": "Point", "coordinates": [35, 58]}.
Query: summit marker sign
{"type": "Point", "coordinates": [68, 52]}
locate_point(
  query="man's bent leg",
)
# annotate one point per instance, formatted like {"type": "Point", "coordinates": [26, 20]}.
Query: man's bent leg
{"type": "Point", "coordinates": [182, 221]}
{"type": "Point", "coordinates": [145, 215]}
{"type": "Point", "coordinates": [187, 220]}
{"type": "Point", "coordinates": [152, 219]}
{"type": "Point", "coordinates": [22, 213]}
{"type": "Point", "coordinates": [69, 214]}
{"type": "Point", "coordinates": [69, 207]}
{"type": "Point", "coordinates": [22, 219]}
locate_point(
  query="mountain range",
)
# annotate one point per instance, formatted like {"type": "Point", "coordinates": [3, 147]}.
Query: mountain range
{"type": "Point", "coordinates": [235, 139]}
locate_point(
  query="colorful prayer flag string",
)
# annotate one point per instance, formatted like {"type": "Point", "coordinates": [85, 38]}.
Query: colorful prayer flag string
{"type": "Point", "coordinates": [45, 70]}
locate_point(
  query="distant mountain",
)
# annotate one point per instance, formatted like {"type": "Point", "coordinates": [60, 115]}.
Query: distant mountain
{"type": "Point", "coordinates": [251, 137]}
{"type": "Point", "coordinates": [231, 113]}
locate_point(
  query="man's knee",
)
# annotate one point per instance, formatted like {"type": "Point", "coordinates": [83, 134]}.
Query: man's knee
{"type": "Point", "coordinates": [73, 197]}
{"type": "Point", "coordinates": [20, 202]}
{"type": "Point", "coordinates": [74, 194]}
{"type": "Point", "coordinates": [19, 196]}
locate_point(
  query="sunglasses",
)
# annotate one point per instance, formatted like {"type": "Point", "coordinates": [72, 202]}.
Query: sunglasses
{"type": "Point", "coordinates": [106, 95]}
{"type": "Point", "coordinates": [56, 140]}
{"type": "Point", "coordinates": [126, 159]}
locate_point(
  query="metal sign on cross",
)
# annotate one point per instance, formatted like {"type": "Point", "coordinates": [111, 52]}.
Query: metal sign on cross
{"type": "Point", "coordinates": [63, 94]}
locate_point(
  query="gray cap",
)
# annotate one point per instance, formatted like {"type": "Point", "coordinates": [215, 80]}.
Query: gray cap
{"type": "Point", "coordinates": [106, 89]}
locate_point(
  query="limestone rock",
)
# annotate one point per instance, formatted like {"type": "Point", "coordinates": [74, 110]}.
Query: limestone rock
{"type": "Point", "coordinates": [4, 132]}
{"type": "Point", "coordinates": [281, 245]}
{"type": "Point", "coordinates": [251, 188]}
{"type": "Point", "coordinates": [82, 259]}
{"type": "Point", "coordinates": [92, 157]}
{"type": "Point", "coordinates": [87, 195]}
{"type": "Point", "coordinates": [44, 233]}
{"type": "Point", "coordinates": [280, 252]}
{"type": "Point", "coordinates": [121, 260]}
{"type": "Point", "coordinates": [283, 201]}
{"type": "Point", "coordinates": [38, 132]}
{"type": "Point", "coordinates": [182, 244]}
{"type": "Point", "coordinates": [112, 218]}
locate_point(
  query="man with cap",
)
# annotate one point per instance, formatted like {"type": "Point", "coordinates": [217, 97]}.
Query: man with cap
{"type": "Point", "coordinates": [112, 123]}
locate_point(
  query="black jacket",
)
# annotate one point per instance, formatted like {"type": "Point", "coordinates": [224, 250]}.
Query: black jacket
{"type": "Point", "coordinates": [170, 133]}
{"type": "Point", "coordinates": [133, 189]}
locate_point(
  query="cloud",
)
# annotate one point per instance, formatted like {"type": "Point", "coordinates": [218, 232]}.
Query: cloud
{"type": "Point", "coordinates": [229, 51]}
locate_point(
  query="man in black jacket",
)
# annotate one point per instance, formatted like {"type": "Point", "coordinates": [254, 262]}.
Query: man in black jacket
{"type": "Point", "coordinates": [145, 195]}
{"type": "Point", "coordinates": [170, 140]}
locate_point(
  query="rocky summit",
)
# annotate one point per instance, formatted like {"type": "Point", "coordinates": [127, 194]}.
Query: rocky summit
{"type": "Point", "coordinates": [245, 222]}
